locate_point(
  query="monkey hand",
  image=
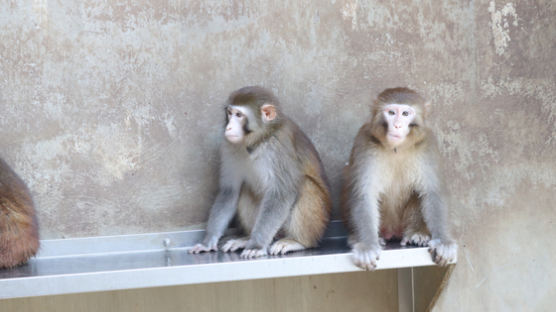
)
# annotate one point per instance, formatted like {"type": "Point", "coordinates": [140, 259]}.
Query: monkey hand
{"type": "Point", "coordinates": [235, 244]}
{"type": "Point", "coordinates": [253, 253]}
{"type": "Point", "coordinates": [253, 250]}
{"type": "Point", "coordinates": [211, 245]}
{"type": "Point", "coordinates": [443, 253]}
{"type": "Point", "coordinates": [365, 257]}
{"type": "Point", "coordinates": [416, 239]}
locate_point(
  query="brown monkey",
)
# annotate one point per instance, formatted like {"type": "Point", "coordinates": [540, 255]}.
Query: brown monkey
{"type": "Point", "coordinates": [391, 184]}
{"type": "Point", "coordinates": [19, 237]}
{"type": "Point", "coordinates": [272, 176]}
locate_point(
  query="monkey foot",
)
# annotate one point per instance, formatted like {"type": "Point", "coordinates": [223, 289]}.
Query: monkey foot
{"type": "Point", "coordinates": [443, 253]}
{"type": "Point", "coordinates": [285, 245]}
{"type": "Point", "coordinates": [234, 244]}
{"type": "Point", "coordinates": [202, 248]}
{"type": "Point", "coordinates": [365, 258]}
{"type": "Point", "coordinates": [417, 239]}
{"type": "Point", "coordinates": [253, 253]}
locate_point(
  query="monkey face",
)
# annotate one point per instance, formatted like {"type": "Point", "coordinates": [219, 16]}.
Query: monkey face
{"type": "Point", "coordinates": [237, 124]}
{"type": "Point", "coordinates": [399, 118]}
{"type": "Point", "coordinates": [242, 122]}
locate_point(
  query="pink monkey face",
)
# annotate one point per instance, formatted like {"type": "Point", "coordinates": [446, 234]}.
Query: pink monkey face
{"type": "Point", "coordinates": [235, 128]}
{"type": "Point", "coordinates": [399, 118]}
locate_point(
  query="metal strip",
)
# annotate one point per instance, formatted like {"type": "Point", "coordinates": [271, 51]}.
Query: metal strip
{"type": "Point", "coordinates": [161, 259]}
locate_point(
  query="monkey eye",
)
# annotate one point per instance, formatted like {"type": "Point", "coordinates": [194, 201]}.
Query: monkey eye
{"type": "Point", "coordinates": [391, 112]}
{"type": "Point", "coordinates": [239, 114]}
{"type": "Point", "coordinates": [405, 113]}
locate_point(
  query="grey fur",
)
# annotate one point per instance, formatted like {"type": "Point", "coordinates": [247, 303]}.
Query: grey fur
{"type": "Point", "coordinates": [272, 165]}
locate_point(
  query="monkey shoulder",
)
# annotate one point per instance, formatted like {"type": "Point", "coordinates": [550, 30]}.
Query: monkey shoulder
{"type": "Point", "coordinates": [365, 142]}
{"type": "Point", "coordinates": [300, 142]}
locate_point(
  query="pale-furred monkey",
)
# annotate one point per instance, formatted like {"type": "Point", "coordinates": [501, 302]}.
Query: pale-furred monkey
{"type": "Point", "coordinates": [392, 189]}
{"type": "Point", "coordinates": [19, 236]}
{"type": "Point", "coordinates": [272, 176]}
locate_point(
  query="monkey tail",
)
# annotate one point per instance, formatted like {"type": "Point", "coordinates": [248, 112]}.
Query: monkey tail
{"type": "Point", "coordinates": [19, 239]}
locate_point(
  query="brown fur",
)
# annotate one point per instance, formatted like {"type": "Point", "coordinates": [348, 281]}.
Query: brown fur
{"type": "Point", "coordinates": [413, 222]}
{"type": "Point", "coordinates": [311, 213]}
{"type": "Point", "coordinates": [19, 237]}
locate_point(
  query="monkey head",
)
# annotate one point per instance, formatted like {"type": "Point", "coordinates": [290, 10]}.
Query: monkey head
{"type": "Point", "coordinates": [398, 117]}
{"type": "Point", "coordinates": [251, 112]}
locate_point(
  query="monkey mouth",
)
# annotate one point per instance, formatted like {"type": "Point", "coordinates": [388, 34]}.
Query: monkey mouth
{"type": "Point", "coordinates": [395, 136]}
{"type": "Point", "coordinates": [233, 138]}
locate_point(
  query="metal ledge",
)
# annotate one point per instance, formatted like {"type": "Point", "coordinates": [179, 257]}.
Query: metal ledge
{"type": "Point", "coordinates": [160, 259]}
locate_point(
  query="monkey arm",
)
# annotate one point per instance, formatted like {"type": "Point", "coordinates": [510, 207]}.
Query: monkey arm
{"type": "Point", "coordinates": [442, 247]}
{"type": "Point", "coordinates": [365, 217]}
{"type": "Point", "coordinates": [221, 214]}
{"type": "Point", "coordinates": [432, 201]}
{"type": "Point", "coordinates": [363, 201]}
{"type": "Point", "coordinates": [434, 213]}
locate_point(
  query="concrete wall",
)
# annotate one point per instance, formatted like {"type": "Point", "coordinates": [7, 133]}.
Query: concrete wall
{"type": "Point", "coordinates": [111, 112]}
{"type": "Point", "coordinates": [502, 151]}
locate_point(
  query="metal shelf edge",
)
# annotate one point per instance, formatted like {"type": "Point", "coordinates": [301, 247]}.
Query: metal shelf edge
{"type": "Point", "coordinates": [203, 273]}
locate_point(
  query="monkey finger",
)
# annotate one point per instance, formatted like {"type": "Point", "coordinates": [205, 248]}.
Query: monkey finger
{"type": "Point", "coordinates": [275, 249]}
{"type": "Point", "coordinates": [369, 263]}
{"type": "Point", "coordinates": [253, 253]}
{"type": "Point", "coordinates": [234, 244]}
{"type": "Point", "coordinates": [198, 249]}
{"type": "Point", "coordinates": [284, 246]}
{"type": "Point", "coordinates": [443, 253]}
{"type": "Point", "coordinates": [366, 259]}
{"type": "Point", "coordinates": [235, 247]}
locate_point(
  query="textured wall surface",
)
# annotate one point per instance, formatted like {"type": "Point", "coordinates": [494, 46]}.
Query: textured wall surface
{"type": "Point", "coordinates": [502, 151]}
{"type": "Point", "coordinates": [114, 108]}
{"type": "Point", "coordinates": [111, 112]}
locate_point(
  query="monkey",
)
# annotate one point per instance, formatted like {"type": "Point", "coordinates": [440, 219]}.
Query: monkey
{"type": "Point", "coordinates": [272, 176]}
{"type": "Point", "coordinates": [391, 183]}
{"type": "Point", "coordinates": [19, 236]}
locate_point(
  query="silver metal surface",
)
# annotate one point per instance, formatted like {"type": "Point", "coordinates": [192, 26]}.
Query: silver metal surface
{"type": "Point", "coordinates": [161, 259]}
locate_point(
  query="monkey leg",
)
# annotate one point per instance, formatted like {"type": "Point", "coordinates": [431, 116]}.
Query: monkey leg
{"type": "Point", "coordinates": [308, 219]}
{"type": "Point", "coordinates": [248, 209]}
{"type": "Point", "coordinates": [234, 244]}
{"type": "Point", "coordinates": [415, 230]}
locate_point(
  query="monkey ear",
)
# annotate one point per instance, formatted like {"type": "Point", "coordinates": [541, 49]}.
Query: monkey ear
{"type": "Point", "coordinates": [269, 112]}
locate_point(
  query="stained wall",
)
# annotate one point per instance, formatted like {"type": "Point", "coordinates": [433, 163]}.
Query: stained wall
{"type": "Point", "coordinates": [112, 111]}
